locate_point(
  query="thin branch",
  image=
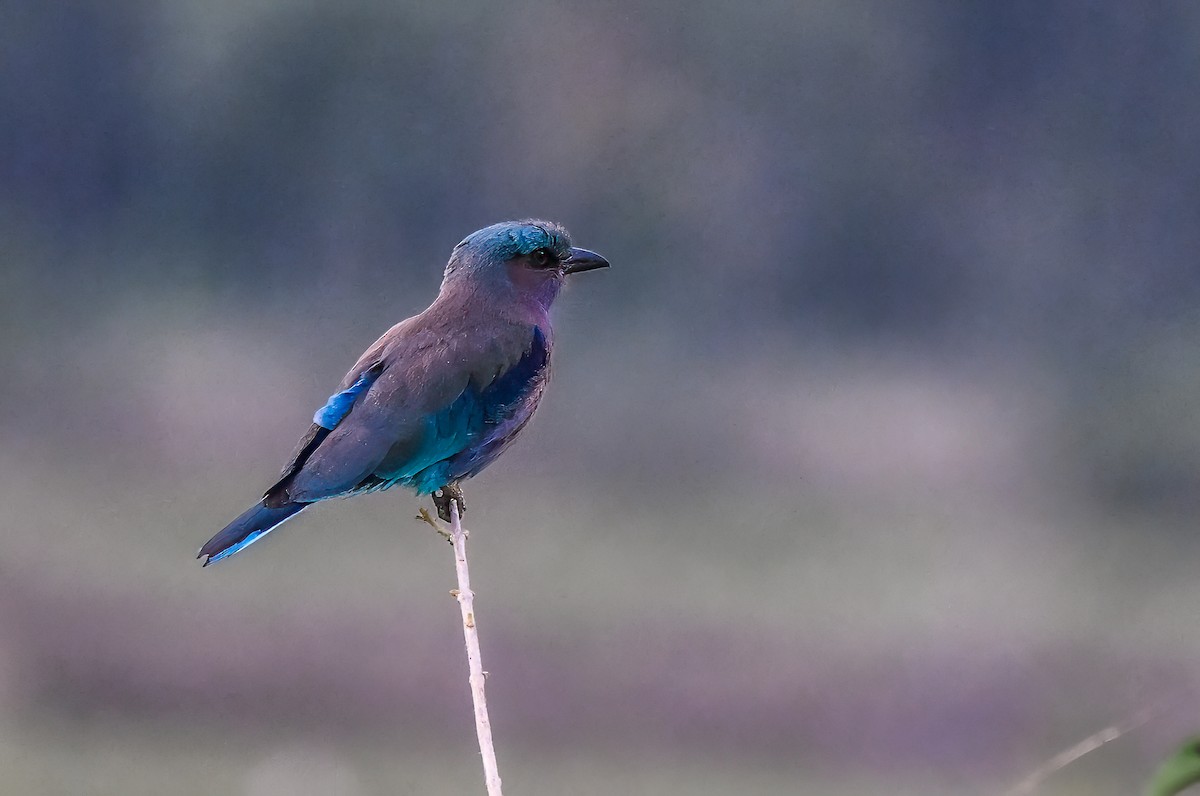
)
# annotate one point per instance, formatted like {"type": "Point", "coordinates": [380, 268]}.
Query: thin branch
{"type": "Point", "coordinates": [466, 603]}
{"type": "Point", "coordinates": [1089, 744]}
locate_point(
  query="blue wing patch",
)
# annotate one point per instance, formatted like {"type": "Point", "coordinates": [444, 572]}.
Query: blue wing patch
{"type": "Point", "coordinates": [338, 406]}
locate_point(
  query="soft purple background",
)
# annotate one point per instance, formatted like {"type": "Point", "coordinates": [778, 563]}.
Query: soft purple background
{"type": "Point", "coordinates": [871, 467]}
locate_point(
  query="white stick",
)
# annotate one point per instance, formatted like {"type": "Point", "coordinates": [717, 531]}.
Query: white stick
{"type": "Point", "coordinates": [1089, 744]}
{"type": "Point", "coordinates": [466, 602]}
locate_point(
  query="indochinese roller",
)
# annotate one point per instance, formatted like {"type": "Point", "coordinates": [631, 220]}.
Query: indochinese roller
{"type": "Point", "coordinates": [440, 395]}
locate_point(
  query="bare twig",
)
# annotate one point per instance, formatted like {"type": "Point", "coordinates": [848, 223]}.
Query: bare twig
{"type": "Point", "coordinates": [1089, 744]}
{"type": "Point", "coordinates": [466, 603]}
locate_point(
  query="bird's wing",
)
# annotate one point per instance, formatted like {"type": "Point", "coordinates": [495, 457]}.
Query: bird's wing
{"type": "Point", "coordinates": [325, 420]}
{"type": "Point", "coordinates": [463, 437]}
{"type": "Point", "coordinates": [505, 406]}
{"type": "Point", "coordinates": [422, 406]}
{"type": "Point", "coordinates": [351, 389]}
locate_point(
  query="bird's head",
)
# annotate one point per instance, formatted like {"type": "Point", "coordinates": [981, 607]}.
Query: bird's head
{"type": "Point", "coordinates": [527, 258]}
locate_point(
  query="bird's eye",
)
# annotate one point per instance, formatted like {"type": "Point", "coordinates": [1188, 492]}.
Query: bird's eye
{"type": "Point", "coordinates": [540, 257]}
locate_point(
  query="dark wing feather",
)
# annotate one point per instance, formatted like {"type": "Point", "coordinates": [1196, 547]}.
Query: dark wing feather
{"type": "Point", "coordinates": [326, 419]}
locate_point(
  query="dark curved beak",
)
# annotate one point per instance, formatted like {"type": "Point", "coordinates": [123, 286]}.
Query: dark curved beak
{"type": "Point", "coordinates": [583, 260]}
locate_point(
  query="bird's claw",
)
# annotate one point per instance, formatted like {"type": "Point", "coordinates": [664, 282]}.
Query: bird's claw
{"type": "Point", "coordinates": [427, 518]}
{"type": "Point", "coordinates": [442, 498]}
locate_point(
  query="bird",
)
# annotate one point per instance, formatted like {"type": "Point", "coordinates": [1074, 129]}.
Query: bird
{"type": "Point", "coordinates": [441, 394]}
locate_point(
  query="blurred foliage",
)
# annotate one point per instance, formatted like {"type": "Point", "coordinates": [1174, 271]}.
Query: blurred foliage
{"type": "Point", "coordinates": [1178, 773]}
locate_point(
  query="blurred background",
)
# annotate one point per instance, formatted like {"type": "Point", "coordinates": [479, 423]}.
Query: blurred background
{"type": "Point", "coordinates": [871, 467]}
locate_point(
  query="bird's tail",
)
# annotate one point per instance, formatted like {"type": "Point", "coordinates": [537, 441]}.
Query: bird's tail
{"type": "Point", "coordinates": [253, 524]}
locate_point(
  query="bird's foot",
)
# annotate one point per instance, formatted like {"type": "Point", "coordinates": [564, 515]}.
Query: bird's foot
{"type": "Point", "coordinates": [443, 496]}
{"type": "Point", "coordinates": [426, 517]}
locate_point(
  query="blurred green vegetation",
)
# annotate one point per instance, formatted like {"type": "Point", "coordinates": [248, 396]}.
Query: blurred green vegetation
{"type": "Point", "coordinates": [870, 467]}
{"type": "Point", "coordinates": [1179, 772]}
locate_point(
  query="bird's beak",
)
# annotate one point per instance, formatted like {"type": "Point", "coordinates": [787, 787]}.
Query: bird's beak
{"type": "Point", "coordinates": [583, 260]}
